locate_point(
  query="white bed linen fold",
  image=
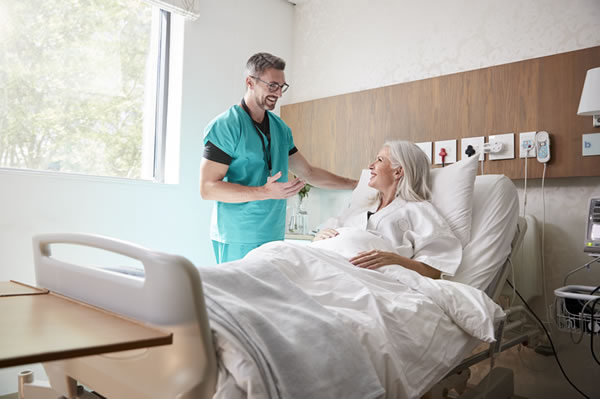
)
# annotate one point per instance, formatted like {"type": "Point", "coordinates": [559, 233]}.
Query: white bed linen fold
{"type": "Point", "coordinates": [299, 349]}
{"type": "Point", "coordinates": [413, 329]}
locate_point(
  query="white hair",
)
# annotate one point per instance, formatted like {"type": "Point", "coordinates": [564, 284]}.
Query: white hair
{"type": "Point", "coordinates": [416, 182]}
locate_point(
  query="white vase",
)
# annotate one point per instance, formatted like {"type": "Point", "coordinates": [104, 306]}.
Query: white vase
{"type": "Point", "coordinates": [302, 218]}
{"type": "Point", "coordinates": [298, 222]}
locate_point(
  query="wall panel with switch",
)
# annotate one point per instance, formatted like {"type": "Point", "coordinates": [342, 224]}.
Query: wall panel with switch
{"type": "Point", "coordinates": [344, 133]}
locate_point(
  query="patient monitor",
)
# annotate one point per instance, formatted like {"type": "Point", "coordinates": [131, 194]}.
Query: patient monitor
{"type": "Point", "coordinates": [592, 239]}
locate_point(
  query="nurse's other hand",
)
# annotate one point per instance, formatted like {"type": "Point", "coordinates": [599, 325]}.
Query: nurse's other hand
{"type": "Point", "coordinates": [373, 259]}
{"type": "Point", "coordinates": [325, 234]}
{"type": "Point", "coordinates": [274, 190]}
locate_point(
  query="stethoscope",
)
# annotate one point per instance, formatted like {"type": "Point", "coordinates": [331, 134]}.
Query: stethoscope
{"type": "Point", "coordinates": [266, 147]}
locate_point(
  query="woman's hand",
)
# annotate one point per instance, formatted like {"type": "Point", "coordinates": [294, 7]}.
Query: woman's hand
{"type": "Point", "coordinates": [325, 234]}
{"type": "Point", "coordinates": [375, 258]}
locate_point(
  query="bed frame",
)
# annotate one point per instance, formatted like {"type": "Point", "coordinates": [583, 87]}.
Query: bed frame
{"type": "Point", "coordinates": [519, 327]}
{"type": "Point", "coordinates": [170, 297]}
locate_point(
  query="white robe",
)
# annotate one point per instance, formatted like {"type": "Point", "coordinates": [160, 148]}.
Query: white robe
{"type": "Point", "coordinates": [415, 229]}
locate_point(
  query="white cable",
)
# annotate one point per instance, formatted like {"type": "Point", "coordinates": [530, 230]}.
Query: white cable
{"type": "Point", "coordinates": [482, 166]}
{"type": "Point", "coordinates": [582, 323]}
{"type": "Point", "coordinates": [543, 239]}
{"type": "Point", "coordinates": [525, 188]}
{"type": "Point", "coordinates": [524, 213]}
{"type": "Point", "coordinates": [578, 340]}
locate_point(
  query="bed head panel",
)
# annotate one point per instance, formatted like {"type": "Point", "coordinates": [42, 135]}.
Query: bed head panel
{"type": "Point", "coordinates": [494, 223]}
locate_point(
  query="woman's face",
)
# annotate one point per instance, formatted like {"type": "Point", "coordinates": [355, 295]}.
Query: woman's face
{"type": "Point", "coordinates": [383, 176]}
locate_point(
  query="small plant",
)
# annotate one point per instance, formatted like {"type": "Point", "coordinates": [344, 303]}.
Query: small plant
{"type": "Point", "coordinates": [304, 192]}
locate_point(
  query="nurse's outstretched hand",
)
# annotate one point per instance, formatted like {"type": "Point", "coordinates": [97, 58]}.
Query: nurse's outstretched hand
{"type": "Point", "coordinates": [275, 190]}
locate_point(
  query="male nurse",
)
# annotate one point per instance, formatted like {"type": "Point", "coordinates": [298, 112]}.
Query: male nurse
{"type": "Point", "coordinates": [248, 151]}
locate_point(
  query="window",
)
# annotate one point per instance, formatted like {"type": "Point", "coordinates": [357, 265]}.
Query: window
{"type": "Point", "coordinates": [84, 86]}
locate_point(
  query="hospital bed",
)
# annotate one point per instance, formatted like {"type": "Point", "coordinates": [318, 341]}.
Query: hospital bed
{"type": "Point", "coordinates": [308, 333]}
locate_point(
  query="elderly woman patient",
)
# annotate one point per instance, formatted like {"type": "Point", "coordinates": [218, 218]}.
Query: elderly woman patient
{"type": "Point", "coordinates": [406, 230]}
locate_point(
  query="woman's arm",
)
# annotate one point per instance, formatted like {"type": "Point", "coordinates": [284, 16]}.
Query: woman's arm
{"type": "Point", "coordinates": [375, 258]}
{"type": "Point", "coordinates": [325, 234]}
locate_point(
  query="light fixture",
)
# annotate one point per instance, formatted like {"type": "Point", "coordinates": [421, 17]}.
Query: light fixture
{"type": "Point", "coordinates": [590, 96]}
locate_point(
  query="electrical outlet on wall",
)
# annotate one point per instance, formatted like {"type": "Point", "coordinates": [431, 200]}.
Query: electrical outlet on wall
{"type": "Point", "coordinates": [426, 147]}
{"type": "Point", "coordinates": [476, 143]}
{"type": "Point", "coordinates": [502, 146]}
{"type": "Point", "coordinates": [590, 144]}
{"type": "Point", "coordinates": [450, 147]}
{"type": "Point", "coordinates": [527, 145]}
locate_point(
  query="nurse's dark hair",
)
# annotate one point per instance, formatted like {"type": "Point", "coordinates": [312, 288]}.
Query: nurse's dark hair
{"type": "Point", "coordinates": [416, 183]}
{"type": "Point", "coordinates": [260, 62]}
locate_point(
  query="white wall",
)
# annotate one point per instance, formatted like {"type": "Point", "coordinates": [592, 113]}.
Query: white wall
{"type": "Point", "coordinates": [342, 46]}
{"type": "Point", "coordinates": [170, 218]}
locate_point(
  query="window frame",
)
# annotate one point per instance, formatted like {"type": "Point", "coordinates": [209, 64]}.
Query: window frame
{"type": "Point", "coordinates": [162, 96]}
{"type": "Point", "coordinates": [159, 118]}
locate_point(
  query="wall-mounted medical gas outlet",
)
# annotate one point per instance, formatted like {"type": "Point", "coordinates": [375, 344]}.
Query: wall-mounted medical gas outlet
{"type": "Point", "coordinates": [449, 147]}
{"type": "Point", "coordinates": [502, 146]}
{"type": "Point", "coordinates": [426, 147]}
{"type": "Point", "coordinates": [590, 144]}
{"type": "Point", "coordinates": [476, 143]}
{"type": "Point", "coordinates": [527, 145]}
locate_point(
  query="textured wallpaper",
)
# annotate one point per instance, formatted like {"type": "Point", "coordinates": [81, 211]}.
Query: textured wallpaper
{"type": "Point", "coordinates": [341, 46]}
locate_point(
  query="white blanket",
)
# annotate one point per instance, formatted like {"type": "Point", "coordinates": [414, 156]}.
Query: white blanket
{"type": "Point", "coordinates": [300, 349]}
{"type": "Point", "coordinates": [412, 329]}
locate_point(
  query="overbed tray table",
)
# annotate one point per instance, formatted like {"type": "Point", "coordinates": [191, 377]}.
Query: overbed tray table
{"type": "Point", "coordinates": [37, 325]}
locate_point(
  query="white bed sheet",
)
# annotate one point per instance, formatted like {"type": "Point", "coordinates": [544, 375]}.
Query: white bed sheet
{"type": "Point", "coordinates": [414, 329]}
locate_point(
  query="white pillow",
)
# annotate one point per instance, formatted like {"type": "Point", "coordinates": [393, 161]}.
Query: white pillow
{"type": "Point", "coordinates": [495, 214]}
{"type": "Point", "coordinates": [363, 195]}
{"type": "Point", "coordinates": [452, 194]}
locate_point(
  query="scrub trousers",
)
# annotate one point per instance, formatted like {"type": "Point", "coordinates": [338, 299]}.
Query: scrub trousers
{"type": "Point", "coordinates": [229, 252]}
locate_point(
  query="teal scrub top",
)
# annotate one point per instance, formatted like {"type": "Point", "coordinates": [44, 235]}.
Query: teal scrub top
{"type": "Point", "coordinates": [256, 221]}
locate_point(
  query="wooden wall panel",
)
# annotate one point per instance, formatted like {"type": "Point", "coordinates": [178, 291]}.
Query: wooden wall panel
{"type": "Point", "coordinates": [343, 133]}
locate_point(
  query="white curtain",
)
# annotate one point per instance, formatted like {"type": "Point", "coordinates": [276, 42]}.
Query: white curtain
{"type": "Point", "coordinates": [188, 8]}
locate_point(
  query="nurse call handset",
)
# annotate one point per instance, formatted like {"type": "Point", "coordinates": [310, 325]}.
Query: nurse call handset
{"type": "Point", "coordinates": [542, 144]}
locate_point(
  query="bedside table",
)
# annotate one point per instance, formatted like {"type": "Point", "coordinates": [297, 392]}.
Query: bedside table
{"type": "Point", "coordinates": [299, 238]}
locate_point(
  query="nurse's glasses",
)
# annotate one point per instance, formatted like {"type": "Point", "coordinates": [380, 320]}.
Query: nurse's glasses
{"type": "Point", "coordinates": [273, 87]}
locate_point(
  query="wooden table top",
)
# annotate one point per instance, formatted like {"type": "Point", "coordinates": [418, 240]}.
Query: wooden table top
{"type": "Point", "coordinates": [39, 326]}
